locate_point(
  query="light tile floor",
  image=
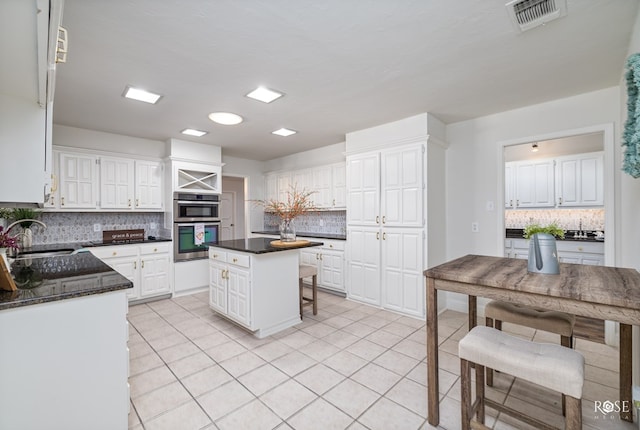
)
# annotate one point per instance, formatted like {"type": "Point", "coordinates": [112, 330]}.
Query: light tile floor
{"type": "Point", "coordinates": [351, 366]}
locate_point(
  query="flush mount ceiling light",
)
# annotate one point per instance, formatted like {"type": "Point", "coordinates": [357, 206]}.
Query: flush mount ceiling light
{"type": "Point", "coordinates": [284, 132]}
{"type": "Point", "coordinates": [264, 95]}
{"type": "Point", "coordinates": [225, 118]}
{"type": "Point", "coordinates": [193, 132]}
{"type": "Point", "coordinates": [141, 95]}
{"type": "Point", "coordinates": [534, 147]}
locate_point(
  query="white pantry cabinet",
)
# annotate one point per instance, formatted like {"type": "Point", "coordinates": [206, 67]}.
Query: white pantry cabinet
{"type": "Point", "coordinates": [329, 260]}
{"type": "Point", "coordinates": [580, 180]}
{"type": "Point", "coordinates": [147, 265]}
{"type": "Point", "coordinates": [385, 228]}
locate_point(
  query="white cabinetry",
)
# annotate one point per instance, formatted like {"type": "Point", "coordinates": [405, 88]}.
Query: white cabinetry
{"type": "Point", "coordinates": [116, 183]}
{"type": "Point", "coordinates": [534, 184]}
{"type": "Point", "coordinates": [385, 234]}
{"type": "Point", "coordinates": [579, 180]}
{"type": "Point", "coordinates": [339, 185]}
{"type": "Point", "coordinates": [569, 251]}
{"type": "Point", "coordinates": [197, 178]}
{"type": "Point", "coordinates": [148, 185]}
{"type": "Point", "coordinates": [257, 291]}
{"type": "Point", "coordinates": [146, 265]}
{"type": "Point", "coordinates": [509, 185]}
{"type": "Point", "coordinates": [78, 181]}
{"type": "Point", "coordinates": [329, 260]}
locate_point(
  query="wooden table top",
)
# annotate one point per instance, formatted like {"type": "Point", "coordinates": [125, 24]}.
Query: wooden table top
{"type": "Point", "coordinates": [612, 286]}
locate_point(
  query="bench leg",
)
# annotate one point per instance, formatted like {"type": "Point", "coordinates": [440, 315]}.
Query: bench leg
{"type": "Point", "coordinates": [566, 341]}
{"type": "Point", "coordinates": [314, 290]}
{"type": "Point", "coordinates": [573, 419]}
{"type": "Point", "coordinates": [489, 323]}
{"type": "Point", "coordinates": [480, 392]}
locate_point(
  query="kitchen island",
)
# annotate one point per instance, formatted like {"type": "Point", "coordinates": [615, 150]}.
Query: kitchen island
{"type": "Point", "coordinates": [64, 361]}
{"type": "Point", "coordinates": [255, 284]}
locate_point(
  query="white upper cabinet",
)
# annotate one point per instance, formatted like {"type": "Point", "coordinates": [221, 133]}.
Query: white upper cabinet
{"type": "Point", "coordinates": [116, 183]}
{"type": "Point", "coordinates": [148, 185]}
{"type": "Point", "coordinates": [509, 185]}
{"type": "Point", "coordinates": [402, 184]}
{"type": "Point", "coordinates": [339, 185]}
{"type": "Point", "coordinates": [363, 189]}
{"type": "Point", "coordinates": [271, 187]}
{"type": "Point", "coordinates": [322, 196]}
{"type": "Point", "coordinates": [78, 181]}
{"type": "Point", "coordinates": [535, 184]}
{"type": "Point", "coordinates": [579, 180]}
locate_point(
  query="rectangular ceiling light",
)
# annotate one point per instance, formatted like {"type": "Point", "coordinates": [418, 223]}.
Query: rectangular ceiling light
{"type": "Point", "coordinates": [264, 95]}
{"type": "Point", "coordinates": [284, 132]}
{"type": "Point", "coordinates": [141, 95]}
{"type": "Point", "coordinates": [193, 132]}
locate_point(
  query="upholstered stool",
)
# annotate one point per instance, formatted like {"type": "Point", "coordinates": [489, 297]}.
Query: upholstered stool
{"type": "Point", "coordinates": [497, 312]}
{"type": "Point", "coordinates": [306, 271]}
{"type": "Point", "coordinates": [551, 366]}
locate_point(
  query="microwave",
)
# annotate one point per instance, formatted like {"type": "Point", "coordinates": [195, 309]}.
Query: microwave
{"type": "Point", "coordinates": [196, 207]}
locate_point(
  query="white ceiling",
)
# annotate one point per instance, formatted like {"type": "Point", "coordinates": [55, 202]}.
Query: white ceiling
{"type": "Point", "coordinates": [344, 65]}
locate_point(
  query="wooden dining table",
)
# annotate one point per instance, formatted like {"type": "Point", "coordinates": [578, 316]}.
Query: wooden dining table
{"type": "Point", "coordinates": [606, 293]}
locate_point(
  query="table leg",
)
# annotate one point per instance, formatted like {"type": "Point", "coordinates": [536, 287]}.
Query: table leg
{"type": "Point", "coordinates": [626, 404]}
{"type": "Point", "coordinates": [433, 396]}
{"type": "Point", "coordinates": [473, 311]}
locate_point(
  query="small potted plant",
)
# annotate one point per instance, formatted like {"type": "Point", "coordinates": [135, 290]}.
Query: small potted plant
{"type": "Point", "coordinates": [28, 215]}
{"type": "Point", "coordinates": [543, 254]}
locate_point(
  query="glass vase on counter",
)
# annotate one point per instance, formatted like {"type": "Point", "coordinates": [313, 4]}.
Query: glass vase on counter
{"type": "Point", "coordinates": [287, 231]}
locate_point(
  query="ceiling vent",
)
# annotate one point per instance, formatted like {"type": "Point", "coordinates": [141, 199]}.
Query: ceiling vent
{"type": "Point", "coordinates": [528, 14]}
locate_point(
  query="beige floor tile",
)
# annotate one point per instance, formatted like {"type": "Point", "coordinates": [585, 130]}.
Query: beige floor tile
{"type": "Point", "coordinates": [320, 415]}
{"type": "Point", "coordinates": [412, 322]}
{"type": "Point", "coordinates": [272, 350]}
{"type": "Point", "coordinates": [366, 349]}
{"type": "Point", "coordinates": [225, 399]}
{"type": "Point", "coordinates": [338, 321]}
{"type": "Point", "coordinates": [206, 380]}
{"type": "Point", "coordinates": [449, 362]}
{"type": "Point", "coordinates": [262, 379]}
{"type": "Point", "coordinates": [319, 378]}
{"type": "Point", "coordinates": [354, 314]}
{"type": "Point", "coordinates": [411, 348]}
{"type": "Point", "coordinates": [225, 351]}
{"type": "Point", "coordinates": [359, 329]}
{"type": "Point", "coordinates": [399, 329]}
{"type": "Point", "coordinates": [341, 339]}
{"type": "Point", "coordinates": [351, 397]}
{"type": "Point", "coordinates": [136, 310]}
{"type": "Point", "coordinates": [384, 338]}
{"type": "Point", "coordinates": [145, 363]}
{"type": "Point", "coordinates": [250, 342]}
{"type": "Point", "coordinates": [176, 352]}
{"type": "Point", "coordinates": [198, 328]}
{"type": "Point", "coordinates": [449, 414]}
{"type": "Point", "coordinates": [385, 414]}
{"type": "Point", "coordinates": [139, 349]}
{"type": "Point", "coordinates": [345, 363]}
{"type": "Point", "coordinates": [319, 350]}
{"type": "Point", "coordinates": [211, 340]}
{"type": "Point", "coordinates": [357, 426]}
{"type": "Point", "coordinates": [133, 418]}
{"type": "Point", "coordinates": [376, 377]}
{"type": "Point", "coordinates": [151, 380]}
{"type": "Point", "coordinates": [319, 330]}
{"type": "Point", "coordinates": [191, 364]}
{"type": "Point", "coordinates": [297, 340]}
{"type": "Point", "coordinates": [254, 415]}
{"type": "Point", "coordinates": [288, 398]}
{"type": "Point", "coordinates": [530, 408]}
{"type": "Point", "coordinates": [450, 346]}
{"type": "Point", "coordinates": [242, 363]}
{"type": "Point", "coordinates": [374, 321]}
{"type": "Point", "coordinates": [167, 341]}
{"type": "Point", "coordinates": [294, 363]}
{"type": "Point", "coordinates": [161, 400]}
{"type": "Point", "coordinates": [410, 395]}
{"type": "Point", "coordinates": [396, 362]}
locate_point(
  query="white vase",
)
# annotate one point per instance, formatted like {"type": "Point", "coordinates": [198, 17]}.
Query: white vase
{"type": "Point", "coordinates": [26, 237]}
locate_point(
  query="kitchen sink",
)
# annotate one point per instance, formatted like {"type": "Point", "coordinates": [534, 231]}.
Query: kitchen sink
{"type": "Point", "coordinates": [44, 253]}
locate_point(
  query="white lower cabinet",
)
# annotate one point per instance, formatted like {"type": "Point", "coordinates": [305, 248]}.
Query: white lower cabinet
{"type": "Point", "coordinates": [384, 268]}
{"type": "Point", "coordinates": [257, 291]}
{"type": "Point", "coordinates": [329, 260]}
{"type": "Point", "coordinates": [569, 251]}
{"type": "Point", "coordinates": [148, 266]}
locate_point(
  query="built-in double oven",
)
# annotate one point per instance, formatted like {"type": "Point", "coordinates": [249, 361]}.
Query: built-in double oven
{"type": "Point", "coordinates": [196, 220]}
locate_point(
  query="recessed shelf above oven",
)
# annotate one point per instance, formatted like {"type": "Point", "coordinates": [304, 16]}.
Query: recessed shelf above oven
{"type": "Point", "coordinates": [197, 178]}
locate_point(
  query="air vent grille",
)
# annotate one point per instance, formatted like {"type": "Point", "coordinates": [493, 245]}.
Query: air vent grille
{"type": "Point", "coordinates": [527, 14]}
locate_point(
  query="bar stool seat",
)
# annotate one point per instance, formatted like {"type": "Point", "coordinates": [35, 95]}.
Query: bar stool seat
{"type": "Point", "coordinates": [307, 271]}
{"type": "Point", "coordinates": [555, 367]}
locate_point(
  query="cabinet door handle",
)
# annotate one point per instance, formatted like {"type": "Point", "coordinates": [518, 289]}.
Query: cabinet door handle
{"type": "Point", "coordinates": [511, 202]}
{"type": "Point", "coordinates": [135, 265]}
{"type": "Point", "coordinates": [235, 260]}
{"type": "Point", "coordinates": [51, 199]}
{"type": "Point", "coordinates": [137, 202]}
{"type": "Point", "coordinates": [330, 246]}
{"type": "Point", "coordinates": [155, 249]}
{"type": "Point", "coordinates": [320, 257]}
{"type": "Point", "coordinates": [559, 200]}
{"type": "Point", "coordinates": [377, 235]}
{"type": "Point", "coordinates": [384, 219]}
{"type": "Point", "coordinates": [517, 203]}
{"type": "Point", "coordinates": [54, 183]}
{"type": "Point", "coordinates": [215, 255]}
{"type": "Point", "coordinates": [142, 264]}
{"type": "Point", "coordinates": [384, 236]}
{"type": "Point", "coordinates": [129, 204]}
{"type": "Point", "coordinates": [114, 253]}
{"type": "Point", "coordinates": [62, 201]}
{"type": "Point", "coordinates": [317, 256]}
{"type": "Point", "coordinates": [377, 219]}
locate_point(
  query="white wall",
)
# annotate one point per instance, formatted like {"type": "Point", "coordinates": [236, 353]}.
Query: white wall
{"type": "Point", "coordinates": [98, 140]}
{"type": "Point", "coordinates": [315, 157]}
{"type": "Point", "coordinates": [252, 170]}
{"type": "Point", "coordinates": [473, 167]}
{"type": "Point", "coordinates": [193, 151]}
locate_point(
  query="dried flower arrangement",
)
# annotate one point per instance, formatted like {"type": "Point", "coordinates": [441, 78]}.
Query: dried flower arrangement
{"type": "Point", "coordinates": [297, 203]}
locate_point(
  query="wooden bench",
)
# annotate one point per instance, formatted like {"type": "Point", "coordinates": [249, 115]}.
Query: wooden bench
{"type": "Point", "coordinates": [551, 366]}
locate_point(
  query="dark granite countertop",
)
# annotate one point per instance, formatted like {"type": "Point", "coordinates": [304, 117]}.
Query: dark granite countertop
{"type": "Point", "coordinates": [516, 233]}
{"type": "Point", "coordinates": [49, 279]}
{"type": "Point", "coordinates": [257, 245]}
{"type": "Point", "coordinates": [316, 235]}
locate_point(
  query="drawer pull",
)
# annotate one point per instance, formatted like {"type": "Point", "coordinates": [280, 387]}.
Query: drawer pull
{"type": "Point", "coordinates": [235, 260]}
{"type": "Point", "coordinates": [215, 255]}
{"type": "Point", "coordinates": [330, 246]}
{"type": "Point", "coordinates": [155, 249]}
{"type": "Point", "coordinates": [114, 253]}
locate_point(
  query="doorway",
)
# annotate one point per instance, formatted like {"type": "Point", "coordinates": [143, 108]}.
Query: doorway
{"type": "Point", "coordinates": [232, 208]}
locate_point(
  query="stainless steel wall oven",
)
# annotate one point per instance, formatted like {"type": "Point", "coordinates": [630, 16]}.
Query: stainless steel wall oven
{"type": "Point", "coordinates": [193, 213]}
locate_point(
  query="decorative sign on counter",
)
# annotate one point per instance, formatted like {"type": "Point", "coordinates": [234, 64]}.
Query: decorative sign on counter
{"type": "Point", "coordinates": [122, 236]}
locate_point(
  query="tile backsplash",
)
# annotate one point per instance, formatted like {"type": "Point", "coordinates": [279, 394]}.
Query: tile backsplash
{"type": "Point", "coordinates": [568, 219]}
{"type": "Point", "coordinates": [71, 227]}
{"type": "Point", "coordinates": [329, 222]}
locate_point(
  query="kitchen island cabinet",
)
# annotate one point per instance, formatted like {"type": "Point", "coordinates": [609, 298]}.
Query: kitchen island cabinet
{"type": "Point", "coordinates": [64, 361]}
{"type": "Point", "coordinates": [255, 284]}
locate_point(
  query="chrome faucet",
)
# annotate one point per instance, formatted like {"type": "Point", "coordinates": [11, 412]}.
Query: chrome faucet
{"type": "Point", "coordinates": [13, 224]}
